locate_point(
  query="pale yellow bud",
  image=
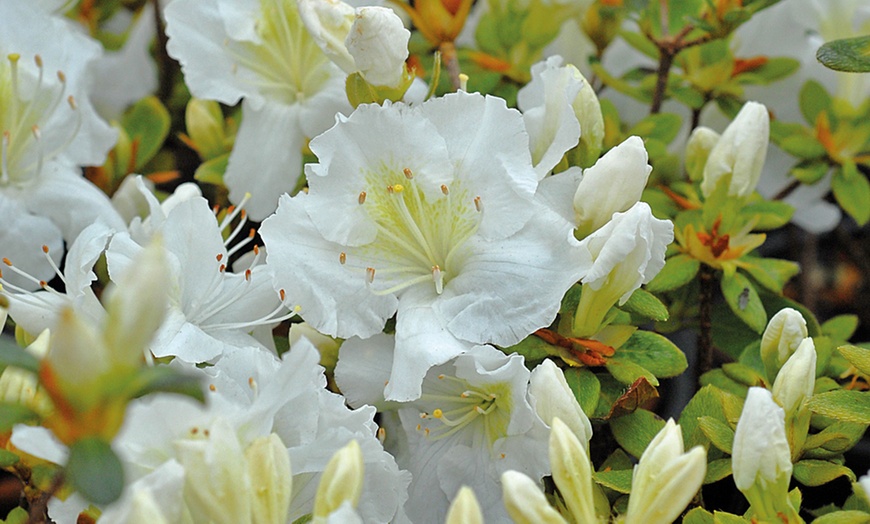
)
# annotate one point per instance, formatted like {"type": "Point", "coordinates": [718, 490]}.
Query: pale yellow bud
{"type": "Point", "coordinates": [342, 480]}
{"type": "Point", "coordinates": [464, 509]}
{"type": "Point", "coordinates": [525, 502]}
{"type": "Point", "coordinates": [782, 336]}
{"type": "Point", "coordinates": [572, 472]}
{"type": "Point", "coordinates": [271, 480]}
{"type": "Point", "coordinates": [698, 149]}
{"type": "Point", "coordinates": [205, 126]}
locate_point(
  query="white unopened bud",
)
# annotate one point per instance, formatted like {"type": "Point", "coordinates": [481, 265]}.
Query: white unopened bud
{"type": "Point", "coordinates": [698, 149]}
{"type": "Point", "coordinates": [782, 336]}
{"type": "Point", "coordinates": [665, 479]}
{"type": "Point", "coordinates": [342, 480]}
{"type": "Point", "coordinates": [145, 510]}
{"type": "Point", "coordinates": [797, 378]}
{"type": "Point", "coordinates": [464, 509]}
{"type": "Point", "coordinates": [612, 185]}
{"type": "Point", "coordinates": [271, 480]}
{"type": "Point", "coordinates": [572, 472]}
{"type": "Point", "coordinates": [740, 151]}
{"type": "Point", "coordinates": [22, 387]}
{"type": "Point", "coordinates": [378, 42]}
{"type": "Point", "coordinates": [552, 398]}
{"type": "Point", "coordinates": [329, 23]}
{"type": "Point", "coordinates": [525, 502]}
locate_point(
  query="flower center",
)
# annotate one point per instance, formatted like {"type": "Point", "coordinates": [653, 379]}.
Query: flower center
{"type": "Point", "coordinates": [287, 64]}
{"type": "Point", "coordinates": [477, 412]}
{"type": "Point", "coordinates": [26, 100]}
{"type": "Point", "coordinates": [419, 236]}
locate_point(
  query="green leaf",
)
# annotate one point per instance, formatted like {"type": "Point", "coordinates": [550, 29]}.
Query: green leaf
{"type": "Point", "coordinates": [619, 480]}
{"type": "Point", "coordinates": [147, 124]}
{"type": "Point", "coordinates": [708, 402]}
{"type": "Point", "coordinates": [839, 437]}
{"type": "Point", "coordinates": [718, 378]}
{"type": "Point", "coordinates": [742, 298]}
{"type": "Point", "coordinates": [717, 470]}
{"type": "Point", "coordinates": [720, 434]}
{"type": "Point", "coordinates": [653, 352]}
{"type": "Point", "coordinates": [730, 334]}
{"type": "Point", "coordinates": [851, 55]}
{"type": "Point", "coordinates": [774, 69]}
{"type": "Point", "coordinates": [678, 271]}
{"type": "Point", "coordinates": [721, 517]}
{"type": "Point", "coordinates": [13, 413]}
{"type": "Point", "coordinates": [165, 380]}
{"type": "Point", "coordinates": [842, 404]}
{"type": "Point", "coordinates": [844, 517]}
{"type": "Point", "coordinates": [212, 171]}
{"type": "Point", "coordinates": [743, 374]}
{"type": "Point", "coordinates": [698, 516]}
{"type": "Point", "coordinates": [17, 516]}
{"type": "Point", "coordinates": [770, 214]}
{"type": "Point", "coordinates": [660, 126]}
{"type": "Point", "coordinates": [818, 472]}
{"type": "Point", "coordinates": [810, 172]}
{"type": "Point", "coordinates": [611, 390]}
{"type": "Point", "coordinates": [771, 273]}
{"type": "Point", "coordinates": [814, 99]}
{"type": "Point", "coordinates": [841, 327]}
{"type": "Point", "coordinates": [852, 192]}
{"type": "Point", "coordinates": [12, 355]}
{"type": "Point", "coordinates": [533, 349]}
{"type": "Point", "coordinates": [857, 356]}
{"type": "Point", "coordinates": [95, 471]}
{"type": "Point", "coordinates": [645, 304]}
{"type": "Point", "coordinates": [8, 458]}
{"type": "Point", "coordinates": [585, 386]}
{"type": "Point", "coordinates": [627, 371]}
{"type": "Point", "coordinates": [635, 431]}
{"type": "Point", "coordinates": [803, 146]}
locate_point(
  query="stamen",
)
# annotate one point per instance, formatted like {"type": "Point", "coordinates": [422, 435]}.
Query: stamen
{"type": "Point", "coordinates": [444, 189]}
{"type": "Point", "coordinates": [382, 435]}
{"type": "Point", "coordinates": [478, 204]}
{"type": "Point", "coordinates": [370, 274]}
{"type": "Point", "coordinates": [219, 257]}
{"type": "Point", "coordinates": [408, 174]}
{"type": "Point", "coordinates": [362, 197]}
{"type": "Point", "coordinates": [342, 258]}
{"type": "Point", "coordinates": [53, 265]}
{"type": "Point", "coordinates": [438, 278]}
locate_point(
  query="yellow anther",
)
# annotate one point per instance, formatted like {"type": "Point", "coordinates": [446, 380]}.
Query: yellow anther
{"type": "Point", "coordinates": [437, 413]}
{"type": "Point", "coordinates": [362, 197]}
{"type": "Point", "coordinates": [398, 188]}
{"type": "Point", "coordinates": [13, 57]}
{"type": "Point", "coordinates": [342, 257]}
{"type": "Point", "coordinates": [408, 173]}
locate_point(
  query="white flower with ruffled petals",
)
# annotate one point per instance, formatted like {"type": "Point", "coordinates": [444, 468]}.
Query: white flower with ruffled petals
{"type": "Point", "coordinates": [429, 212]}
{"type": "Point", "coordinates": [261, 52]}
{"type": "Point", "coordinates": [47, 130]}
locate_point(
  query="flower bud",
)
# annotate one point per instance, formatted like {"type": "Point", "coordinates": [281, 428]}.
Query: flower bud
{"type": "Point", "coordinates": [271, 480]}
{"type": "Point", "coordinates": [378, 42]}
{"type": "Point", "coordinates": [612, 185]}
{"type": "Point", "coordinates": [740, 152]}
{"type": "Point", "coordinates": [342, 480]}
{"type": "Point", "coordinates": [572, 472]}
{"type": "Point", "coordinates": [797, 378]}
{"type": "Point", "coordinates": [77, 357]}
{"type": "Point", "coordinates": [327, 346]}
{"type": "Point", "coordinates": [782, 336]}
{"type": "Point", "coordinates": [698, 149]}
{"type": "Point", "coordinates": [145, 510]}
{"type": "Point", "coordinates": [761, 459]}
{"type": "Point", "coordinates": [665, 479]}
{"type": "Point", "coordinates": [587, 109]}
{"type": "Point", "coordinates": [552, 398]}
{"type": "Point", "coordinates": [329, 23]}
{"type": "Point", "coordinates": [22, 387]}
{"type": "Point", "coordinates": [217, 486]}
{"type": "Point", "coordinates": [136, 306]}
{"type": "Point", "coordinates": [464, 509]}
{"type": "Point", "coordinates": [205, 126]}
{"type": "Point", "coordinates": [627, 252]}
{"type": "Point", "coordinates": [525, 502]}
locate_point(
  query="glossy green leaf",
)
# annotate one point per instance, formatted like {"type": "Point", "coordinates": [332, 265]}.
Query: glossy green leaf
{"type": "Point", "coordinates": [95, 471]}
{"type": "Point", "coordinates": [841, 327]}
{"type": "Point", "coordinates": [771, 273]}
{"type": "Point", "coordinates": [212, 171]}
{"type": "Point", "coordinates": [627, 372]}
{"type": "Point", "coordinates": [660, 126]}
{"type": "Point", "coordinates": [721, 517]}
{"type": "Point", "coordinates": [803, 146]}
{"type": "Point", "coordinates": [818, 472]}
{"type": "Point", "coordinates": [617, 480]}
{"type": "Point", "coordinates": [147, 124]}
{"type": "Point", "coordinates": [707, 402]}
{"type": "Point", "coordinates": [718, 378]}
{"type": "Point", "coordinates": [842, 404]}
{"type": "Point", "coordinates": [17, 516]}
{"type": "Point", "coordinates": [698, 516]}
{"type": "Point", "coordinates": [774, 69]}
{"type": "Point", "coordinates": [810, 172]}
{"type": "Point", "coordinates": [678, 271]}
{"type": "Point", "coordinates": [533, 349]}
{"type": "Point", "coordinates": [851, 55]}
{"type": "Point", "coordinates": [852, 191]}
{"type": "Point", "coordinates": [585, 386]}
{"type": "Point", "coordinates": [839, 437]}
{"type": "Point", "coordinates": [645, 304]}
{"type": "Point", "coordinates": [635, 431]}
{"type": "Point", "coordinates": [769, 214]}
{"type": "Point", "coordinates": [653, 352]}
{"type": "Point", "coordinates": [742, 298]}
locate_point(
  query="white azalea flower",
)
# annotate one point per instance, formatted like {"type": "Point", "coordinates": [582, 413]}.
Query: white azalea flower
{"type": "Point", "coordinates": [378, 43]}
{"type": "Point", "coordinates": [473, 422]}
{"type": "Point", "coordinates": [210, 308]}
{"type": "Point", "coordinates": [261, 52]}
{"type": "Point", "coordinates": [740, 152]}
{"type": "Point", "coordinates": [47, 129]}
{"type": "Point", "coordinates": [430, 212]}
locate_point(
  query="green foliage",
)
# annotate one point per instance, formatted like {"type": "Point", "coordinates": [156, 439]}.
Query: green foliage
{"type": "Point", "coordinates": [652, 352]}
{"type": "Point", "coordinates": [848, 54]}
{"type": "Point", "coordinates": [635, 431]}
{"type": "Point", "coordinates": [585, 386]}
{"type": "Point", "coordinates": [743, 299]}
{"type": "Point", "coordinates": [617, 480]}
{"type": "Point", "coordinates": [818, 472]}
{"type": "Point", "coordinates": [678, 271]}
{"type": "Point", "coordinates": [720, 434]}
{"type": "Point", "coordinates": [147, 126]}
{"type": "Point", "coordinates": [95, 471]}
{"type": "Point", "coordinates": [852, 191]}
{"type": "Point", "coordinates": [842, 404]}
{"type": "Point", "coordinates": [12, 355]}
{"type": "Point", "coordinates": [646, 305]}
{"type": "Point", "coordinates": [14, 413]}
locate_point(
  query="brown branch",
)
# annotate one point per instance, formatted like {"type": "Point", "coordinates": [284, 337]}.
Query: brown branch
{"type": "Point", "coordinates": [451, 63]}
{"type": "Point", "coordinates": [787, 190]}
{"type": "Point", "coordinates": [707, 282]}
{"type": "Point", "coordinates": [164, 62]}
{"type": "Point", "coordinates": [38, 513]}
